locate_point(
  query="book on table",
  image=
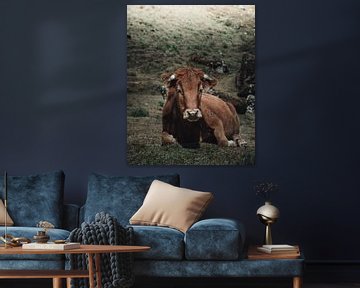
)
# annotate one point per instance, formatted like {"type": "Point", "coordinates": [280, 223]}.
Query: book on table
{"type": "Point", "coordinates": [278, 249]}
{"type": "Point", "coordinates": [255, 254]}
{"type": "Point", "coordinates": [51, 246]}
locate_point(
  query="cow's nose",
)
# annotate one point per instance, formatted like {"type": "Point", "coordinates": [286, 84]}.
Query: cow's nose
{"type": "Point", "coordinates": [192, 114]}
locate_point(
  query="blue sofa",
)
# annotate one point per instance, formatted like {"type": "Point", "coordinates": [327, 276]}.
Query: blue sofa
{"type": "Point", "coordinates": [210, 248]}
{"type": "Point", "coordinates": [32, 199]}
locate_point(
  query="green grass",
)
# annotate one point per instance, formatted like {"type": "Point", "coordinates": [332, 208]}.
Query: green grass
{"type": "Point", "coordinates": [161, 103]}
{"type": "Point", "coordinates": [139, 112]}
{"type": "Point", "coordinates": [207, 154]}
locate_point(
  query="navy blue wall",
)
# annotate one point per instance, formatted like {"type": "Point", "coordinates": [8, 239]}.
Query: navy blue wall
{"type": "Point", "coordinates": [63, 103]}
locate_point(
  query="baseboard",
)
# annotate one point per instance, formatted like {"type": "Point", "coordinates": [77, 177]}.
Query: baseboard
{"type": "Point", "coordinates": [332, 271]}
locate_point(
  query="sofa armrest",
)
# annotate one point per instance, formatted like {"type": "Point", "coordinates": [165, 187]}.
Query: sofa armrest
{"type": "Point", "coordinates": [215, 239]}
{"type": "Point", "coordinates": [71, 216]}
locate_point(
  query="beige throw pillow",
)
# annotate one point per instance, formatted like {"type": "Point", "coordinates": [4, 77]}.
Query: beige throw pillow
{"type": "Point", "coordinates": [170, 206]}
{"type": "Point", "coordinates": [9, 221]}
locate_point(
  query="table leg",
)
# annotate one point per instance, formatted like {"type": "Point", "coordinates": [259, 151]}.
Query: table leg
{"type": "Point", "coordinates": [98, 270]}
{"type": "Point", "coordinates": [57, 283]}
{"type": "Point", "coordinates": [297, 282]}
{"type": "Point", "coordinates": [68, 282]}
{"type": "Point", "coordinates": [91, 270]}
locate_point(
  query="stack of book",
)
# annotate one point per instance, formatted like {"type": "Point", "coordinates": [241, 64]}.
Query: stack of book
{"type": "Point", "coordinates": [274, 252]}
{"type": "Point", "coordinates": [51, 246]}
{"type": "Point", "coordinates": [278, 249]}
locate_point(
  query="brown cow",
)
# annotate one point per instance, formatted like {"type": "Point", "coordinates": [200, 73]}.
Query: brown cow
{"type": "Point", "coordinates": [191, 115]}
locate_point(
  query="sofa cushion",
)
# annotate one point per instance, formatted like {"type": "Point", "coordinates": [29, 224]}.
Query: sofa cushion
{"type": "Point", "coordinates": [35, 198]}
{"type": "Point", "coordinates": [120, 196]}
{"type": "Point", "coordinates": [9, 221]}
{"type": "Point", "coordinates": [170, 206]}
{"type": "Point", "coordinates": [29, 232]}
{"type": "Point", "coordinates": [214, 239]}
{"type": "Point", "coordinates": [165, 243]}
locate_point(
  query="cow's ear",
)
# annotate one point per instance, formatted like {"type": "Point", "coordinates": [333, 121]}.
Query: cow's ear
{"type": "Point", "coordinates": [208, 82]}
{"type": "Point", "coordinates": [169, 79]}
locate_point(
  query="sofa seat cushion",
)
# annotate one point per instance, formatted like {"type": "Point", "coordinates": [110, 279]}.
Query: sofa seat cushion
{"type": "Point", "coordinates": [166, 243]}
{"type": "Point", "coordinates": [120, 196]}
{"type": "Point", "coordinates": [29, 232]}
{"type": "Point", "coordinates": [214, 239]}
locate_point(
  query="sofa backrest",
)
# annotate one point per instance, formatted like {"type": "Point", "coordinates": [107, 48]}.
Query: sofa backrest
{"type": "Point", "coordinates": [120, 196]}
{"type": "Point", "coordinates": [35, 198]}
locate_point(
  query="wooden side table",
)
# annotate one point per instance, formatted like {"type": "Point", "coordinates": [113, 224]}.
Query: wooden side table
{"type": "Point", "coordinates": [93, 251]}
{"type": "Point", "coordinates": [254, 254]}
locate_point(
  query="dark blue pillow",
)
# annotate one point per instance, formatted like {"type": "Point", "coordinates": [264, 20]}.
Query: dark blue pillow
{"type": "Point", "coordinates": [35, 198]}
{"type": "Point", "coordinates": [120, 196]}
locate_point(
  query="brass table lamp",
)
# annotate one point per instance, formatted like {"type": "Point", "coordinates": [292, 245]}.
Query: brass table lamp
{"type": "Point", "coordinates": [268, 214]}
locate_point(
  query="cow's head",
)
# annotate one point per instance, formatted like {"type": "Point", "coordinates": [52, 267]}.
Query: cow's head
{"type": "Point", "coordinates": [188, 84]}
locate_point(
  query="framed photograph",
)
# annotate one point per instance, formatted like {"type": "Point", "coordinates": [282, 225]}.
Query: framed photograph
{"type": "Point", "coordinates": [191, 85]}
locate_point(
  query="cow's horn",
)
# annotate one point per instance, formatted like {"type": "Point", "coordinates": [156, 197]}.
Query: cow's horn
{"type": "Point", "coordinates": [206, 77]}
{"type": "Point", "coordinates": [172, 77]}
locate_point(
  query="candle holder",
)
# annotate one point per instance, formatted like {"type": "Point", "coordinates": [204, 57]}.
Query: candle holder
{"type": "Point", "coordinates": [41, 237]}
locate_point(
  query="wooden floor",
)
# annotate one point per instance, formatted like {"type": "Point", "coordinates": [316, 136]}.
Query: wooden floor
{"type": "Point", "coordinates": [255, 284]}
{"type": "Point", "coordinates": [339, 285]}
{"type": "Point", "coordinates": [45, 283]}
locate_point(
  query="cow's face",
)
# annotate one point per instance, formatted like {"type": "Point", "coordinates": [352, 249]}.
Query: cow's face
{"type": "Point", "coordinates": [189, 85]}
